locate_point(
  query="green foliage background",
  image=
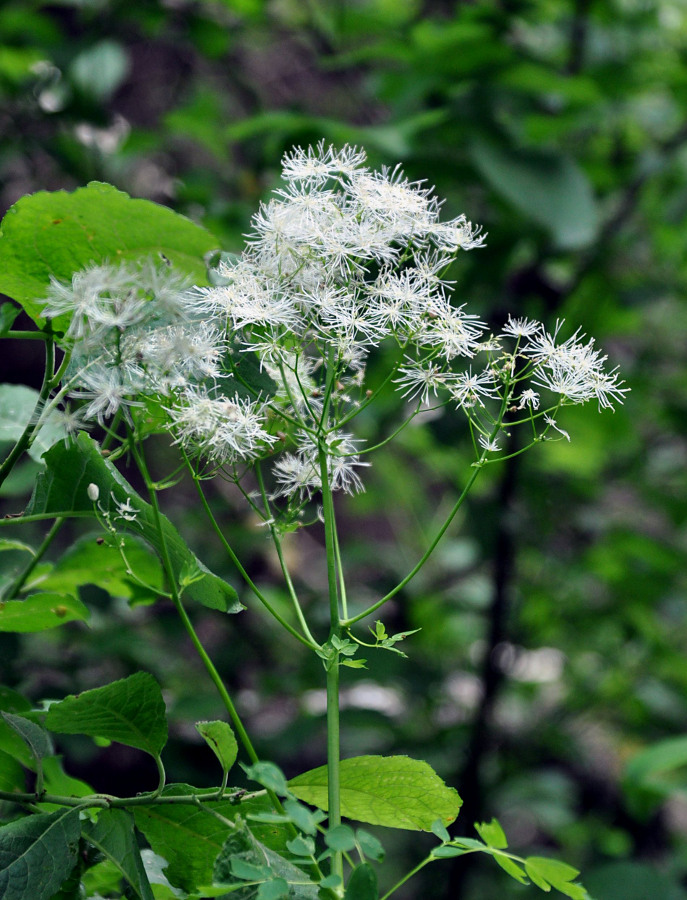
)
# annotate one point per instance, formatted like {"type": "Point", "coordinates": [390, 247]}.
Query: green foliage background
{"type": "Point", "coordinates": [554, 628]}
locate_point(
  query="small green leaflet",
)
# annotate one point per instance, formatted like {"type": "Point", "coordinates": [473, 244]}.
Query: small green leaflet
{"type": "Point", "coordinates": [547, 873]}
{"type": "Point", "coordinates": [37, 853]}
{"type": "Point", "coordinates": [130, 711]}
{"type": "Point", "coordinates": [40, 612]}
{"type": "Point", "coordinates": [362, 885]}
{"type": "Point", "coordinates": [395, 791]}
{"type": "Point", "coordinates": [61, 490]}
{"type": "Point", "coordinates": [114, 835]}
{"type": "Point", "coordinates": [55, 234]}
{"type": "Point", "coordinates": [219, 736]}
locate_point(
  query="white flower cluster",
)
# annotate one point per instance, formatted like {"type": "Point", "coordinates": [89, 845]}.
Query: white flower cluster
{"type": "Point", "coordinates": [340, 259]}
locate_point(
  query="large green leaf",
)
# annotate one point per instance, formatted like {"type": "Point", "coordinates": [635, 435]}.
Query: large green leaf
{"type": "Point", "coordinates": [191, 837]}
{"type": "Point", "coordinates": [61, 490]}
{"type": "Point", "coordinates": [37, 853]}
{"type": "Point", "coordinates": [130, 711]}
{"type": "Point", "coordinates": [547, 187]}
{"type": "Point", "coordinates": [114, 835]}
{"type": "Point", "coordinates": [90, 560]}
{"type": "Point", "coordinates": [58, 233]}
{"type": "Point", "coordinates": [41, 611]}
{"type": "Point", "coordinates": [395, 791]}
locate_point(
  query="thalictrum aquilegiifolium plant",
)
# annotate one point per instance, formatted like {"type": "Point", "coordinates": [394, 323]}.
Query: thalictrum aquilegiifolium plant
{"type": "Point", "coordinates": [258, 377]}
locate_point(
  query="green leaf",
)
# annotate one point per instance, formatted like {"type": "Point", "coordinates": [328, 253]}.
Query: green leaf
{"type": "Point", "coordinates": [341, 838]}
{"type": "Point", "coordinates": [61, 490]}
{"type": "Point", "coordinates": [241, 850]}
{"type": "Point", "coordinates": [492, 834]}
{"type": "Point", "coordinates": [17, 407]}
{"type": "Point", "coordinates": [12, 776]}
{"type": "Point", "coordinates": [8, 313]}
{"type": "Point", "coordinates": [40, 612]}
{"type": "Point", "coordinates": [362, 885]}
{"type": "Point", "coordinates": [191, 837]}
{"type": "Point", "coordinates": [269, 776]}
{"type": "Point", "coordinates": [220, 738]}
{"type": "Point", "coordinates": [277, 889]}
{"type": "Point", "coordinates": [439, 829]}
{"type": "Point", "coordinates": [92, 560]}
{"type": "Point", "coordinates": [654, 767]}
{"type": "Point", "coordinates": [369, 845]}
{"type": "Point", "coordinates": [395, 791]}
{"type": "Point", "coordinates": [130, 711]}
{"type": "Point", "coordinates": [37, 854]}
{"type": "Point", "coordinates": [509, 865]}
{"type": "Point", "coordinates": [33, 735]}
{"type": "Point", "coordinates": [546, 186]}
{"type": "Point", "coordinates": [57, 233]}
{"type": "Point", "coordinates": [547, 873]}
{"type": "Point", "coordinates": [113, 834]}
{"type": "Point", "coordinates": [446, 851]}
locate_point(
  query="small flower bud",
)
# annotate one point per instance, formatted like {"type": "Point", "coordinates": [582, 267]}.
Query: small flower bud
{"type": "Point", "coordinates": [93, 492]}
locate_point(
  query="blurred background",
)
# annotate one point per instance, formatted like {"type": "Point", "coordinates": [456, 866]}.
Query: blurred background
{"type": "Point", "coordinates": [549, 680]}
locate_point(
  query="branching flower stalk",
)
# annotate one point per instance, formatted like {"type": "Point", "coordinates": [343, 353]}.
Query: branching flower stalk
{"type": "Point", "coordinates": [261, 377]}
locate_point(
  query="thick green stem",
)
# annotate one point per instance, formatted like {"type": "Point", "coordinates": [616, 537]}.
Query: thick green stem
{"type": "Point", "coordinates": [333, 749]}
{"type": "Point", "coordinates": [27, 436]}
{"type": "Point", "coordinates": [21, 578]}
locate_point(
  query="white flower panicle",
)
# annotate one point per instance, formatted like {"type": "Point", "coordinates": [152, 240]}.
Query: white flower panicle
{"type": "Point", "coordinates": [341, 259]}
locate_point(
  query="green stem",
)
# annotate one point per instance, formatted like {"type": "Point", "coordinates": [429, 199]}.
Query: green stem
{"type": "Point", "coordinates": [20, 580]}
{"type": "Point", "coordinates": [407, 877]}
{"type": "Point", "coordinates": [108, 801]}
{"type": "Point", "coordinates": [27, 435]}
{"type": "Point", "coordinates": [425, 556]}
{"type": "Point", "coordinates": [200, 649]}
{"type": "Point", "coordinates": [333, 748]}
{"type": "Point", "coordinates": [276, 540]}
{"type": "Point", "coordinates": [308, 641]}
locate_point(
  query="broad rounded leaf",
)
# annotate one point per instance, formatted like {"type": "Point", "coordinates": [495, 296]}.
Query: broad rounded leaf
{"type": "Point", "coordinates": [40, 612]}
{"type": "Point", "coordinates": [395, 791]}
{"type": "Point", "coordinates": [37, 853]}
{"type": "Point", "coordinates": [59, 233]}
{"type": "Point", "coordinates": [130, 711]}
